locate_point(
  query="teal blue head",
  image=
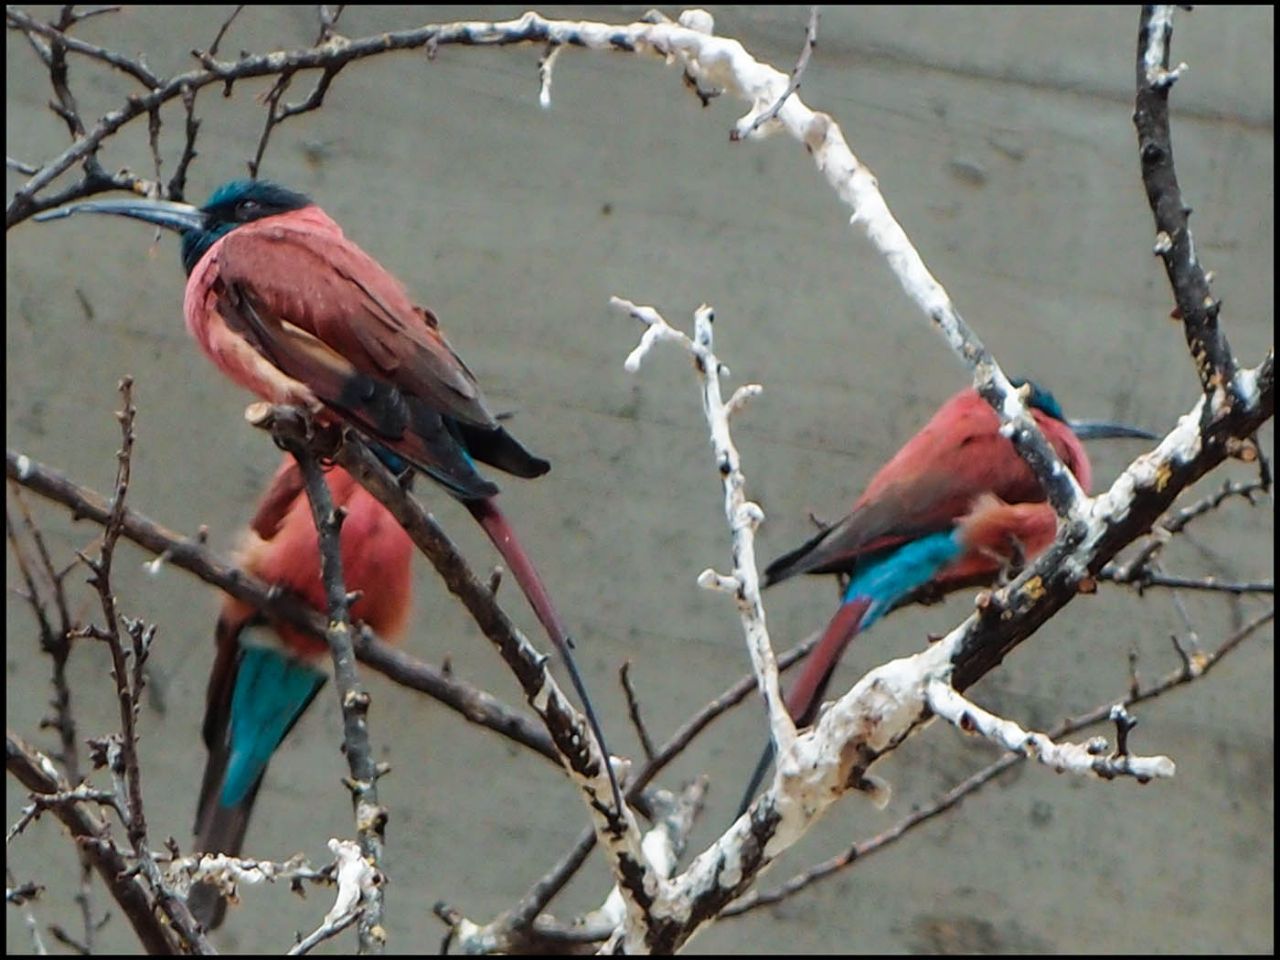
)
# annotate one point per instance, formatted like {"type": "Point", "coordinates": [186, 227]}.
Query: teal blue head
{"type": "Point", "coordinates": [1039, 398]}
{"type": "Point", "coordinates": [232, 205]}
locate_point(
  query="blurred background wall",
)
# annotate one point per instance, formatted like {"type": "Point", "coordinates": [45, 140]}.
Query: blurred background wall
{"type": "Point", "coordinates": [1003, 142]}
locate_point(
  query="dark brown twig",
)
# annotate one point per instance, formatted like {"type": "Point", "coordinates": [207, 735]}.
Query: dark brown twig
{"type": "Point", "coordinates": [371, 817]}
{"type": "Point", "coordinates": [633, 708]}
{"type": "Point", "coordinates": [1154, 578]}
{"type": "Point", "coordinates": [100, 579]}
{"type": "Point", "coordinates": [222, 30]}
{"type": "Point", "coordinates": [57, 643]}
{"type": "Point", "coordinates": [177, 188]}
{"type": "Point", "coordinates": [53, 55]}
{"type": "Point", "coordinates": [120, 752]}
{"type": "Point", "coordinates": [191, 554]}
{"type": "Point", "coordinates": [33, 770]}
{"type": "Point", "coordinates": [57, 35]}
{"type": "Point", "coordinates": [1210, 352]}
{"type": "Point", "coordinates": [53, 641]}
{"type": "Point", "coordinates": [1134, 569]}
{"type": "Point", "coordinates": [272, 99]}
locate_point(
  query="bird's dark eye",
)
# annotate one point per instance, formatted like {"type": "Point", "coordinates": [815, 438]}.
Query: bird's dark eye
{"type": "Point", "coordinates": [246, 209]}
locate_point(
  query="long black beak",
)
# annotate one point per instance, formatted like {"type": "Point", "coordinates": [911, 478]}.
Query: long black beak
{"type": "Point", "coordinates": [1107, 430]}
{"type": "Point", "coordinates": [165, 213]}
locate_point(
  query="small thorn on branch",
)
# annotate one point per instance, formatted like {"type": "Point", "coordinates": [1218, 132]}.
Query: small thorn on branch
{"type": "Point", "coordinates": [710, 580]}
{"type": "Point", "coordinates": [1125, 722]}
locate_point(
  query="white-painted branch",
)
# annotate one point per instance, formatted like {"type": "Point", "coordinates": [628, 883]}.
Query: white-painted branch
{"type": "Point", "coordinates": [356, 879]}
{"type": "Point", "coordinates": [545, 66]}
{"type": "Point", "coordinates": [723, 64]}
{"type": "Point", "coordinates": [742, 514]}
{"type": "Point", "coordinates": [1084, 758]}
{"type": "Point", "coordinates": [663, 845]}
{"type": "Point", "coordinates": [229, 872]}
{"type": "Point", "coordinates": [1153, 56]}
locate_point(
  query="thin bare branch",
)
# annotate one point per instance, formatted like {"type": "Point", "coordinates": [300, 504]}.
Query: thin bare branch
{"type": "Point", "coordinates": [353, 700]}
{"type": "Point", "coordinates": [972, 784]}
{"type": "Point", "coordinates": [36, 772]}
{"type": "Point", "coordinates": [633, 708]}
{"type": "Point", "coordinates": [191, 554]}
{"type": "Point", "coordinates": [810, 41]}
{"type": "Point", "coordinates": [1210, 352]}
{"type": "Point", "coordinates": [222, 30]}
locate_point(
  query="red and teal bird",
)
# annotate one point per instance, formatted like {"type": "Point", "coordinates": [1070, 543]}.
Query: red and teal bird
{"type": "Point", "coordinates": [289, 308]}
{"type": "Point", "coordinates": [952, 508]}
{"type": "Point", "coordinates": [266, 671]}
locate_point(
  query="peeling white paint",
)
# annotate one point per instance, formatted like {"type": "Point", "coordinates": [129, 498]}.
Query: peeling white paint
{"type": "Point", "coordinates": [1246, 387]}
{"type": "Point", "coordinates": [1083, 759]}
{"type": "Point", "coordinates": [1153, 57]}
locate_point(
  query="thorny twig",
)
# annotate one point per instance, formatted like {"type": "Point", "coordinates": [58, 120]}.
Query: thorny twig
{"type": "Point", "coordinates": [371, 817]}
{"type": "Point", "coordinates": [191, 554]}
{"type": "Point", "coordinates": [1263, 374]}
{"type": "Point", "coordinates": [1206, 341]}
{"type": "Point", "coordinates": [120, 751]}
{"type": "Point", "coordinates": [57, 642]}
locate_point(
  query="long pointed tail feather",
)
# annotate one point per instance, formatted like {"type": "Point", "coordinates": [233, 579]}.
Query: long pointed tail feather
{"type": "Point", "coordinates": [220, 829]}
{"type": "Point", "coordinates": [496, 447]}
{"type": "Point", "coordinates": [495, 524]}
{"type": "Point", "coordinates": [879, 581]}
{"type": "Point", "coordinates": [806, 694]}
{"type": "Point", "coordinates": [269, 691]}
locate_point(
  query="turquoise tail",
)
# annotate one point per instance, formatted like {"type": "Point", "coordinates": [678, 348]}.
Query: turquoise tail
{"type": "Point", "coordinates": [272, 690]}
{"type": "Point", "coordinates": [878, 583]}
{"type": "Point", "coordinates": [269, 692]}
{"type": "Point", "coordinates": [891, 576]}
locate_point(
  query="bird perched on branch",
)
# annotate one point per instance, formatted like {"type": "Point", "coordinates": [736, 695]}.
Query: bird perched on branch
{"type": "Point", "coordinates": [289, 308]}
{"type": "Point", "coordinates": [266, 671]}
{"type": "Point", "coordinates": [952, 508]}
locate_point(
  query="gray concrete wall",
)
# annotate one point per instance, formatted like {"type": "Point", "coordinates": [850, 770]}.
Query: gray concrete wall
{"type": "Point", "coordinates": [1003, 142]}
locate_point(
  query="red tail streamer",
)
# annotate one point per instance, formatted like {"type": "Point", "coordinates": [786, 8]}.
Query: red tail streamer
{"type": "Point", "coordinates": [803, 700]}
{"type": "Point", "coordinates": [495, 524]}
